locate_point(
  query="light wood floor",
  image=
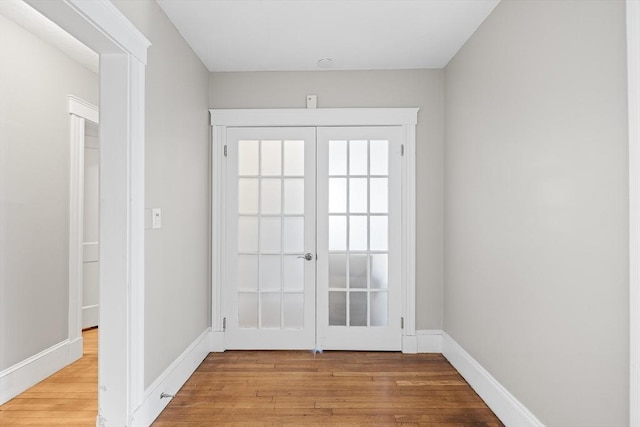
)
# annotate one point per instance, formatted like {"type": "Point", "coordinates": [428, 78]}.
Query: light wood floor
{"type": "Point", "coordinates": [250, 388]}
{"type": "Point", "coordinates": [68, 397]}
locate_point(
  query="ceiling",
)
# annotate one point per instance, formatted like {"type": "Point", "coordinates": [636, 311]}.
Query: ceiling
{"type": "Point", "coordinates": [288, 35]}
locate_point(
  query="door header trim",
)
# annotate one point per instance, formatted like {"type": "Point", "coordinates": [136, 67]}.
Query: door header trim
{"type": "Point", "coordinates": [314, 117]}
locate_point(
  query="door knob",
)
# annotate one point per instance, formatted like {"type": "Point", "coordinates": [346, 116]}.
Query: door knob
{"type": "Point", "coordinates": [306, 256]}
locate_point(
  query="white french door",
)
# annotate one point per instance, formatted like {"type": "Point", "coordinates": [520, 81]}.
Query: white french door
{"type": "Point", "coordinates": [359, 238]}
{"type": "Point", "coordinates": [313, 232]}
{"type": "Point", "coordinates": [269, 295]}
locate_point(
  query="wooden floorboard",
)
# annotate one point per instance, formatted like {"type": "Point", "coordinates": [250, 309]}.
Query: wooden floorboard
{"type": "Point", "coordinates": [276, 388]}
{"type": "Point", "coordinates": [68, 397]}
{"type": "Point", "coordinates": [296, 388]}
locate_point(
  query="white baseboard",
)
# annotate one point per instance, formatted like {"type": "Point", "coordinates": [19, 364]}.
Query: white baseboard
{"type": "Point", "coordinates": [409, 344]}
{"type": "Point", "coordinates": [429, 341]}
{"type": "Point", "coordinates": [170, 381]}
{"type": "Point", "coordinates": [24, 375]}
{"type": "Point", "coordinates": [216, 342]}
{"type": "Point", "coordinates": [506, 407]}
{"type": "Point", "coordinates": [90, 316]}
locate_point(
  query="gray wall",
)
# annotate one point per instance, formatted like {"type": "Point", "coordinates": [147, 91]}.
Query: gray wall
{"type": "Point", "coordinates": [35, 79]}
{"type": "Point", "coordinates": [177, 176]}
{"type": "Point", "coordinates": [414, 88]}
{"type": "Point", "coordinates": [536, 207]}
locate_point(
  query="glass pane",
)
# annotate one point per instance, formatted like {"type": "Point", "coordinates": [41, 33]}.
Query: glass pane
{"type": "Point", "coordinates": [357, 308]}
{"type": "Point", "coordinates": [379, 308]}
{"type": "Point", "coordinates": [247, 310]}
{"type": "Point", "coordinates": [379, 157]}
{"type": "Point", "coordinates": [293, 273]}
{"type": "Point", "coordinates": [270, 273]}
{"type": "Point", "coordinates": [358, 158]}
{"type": "Point", "coordinates": [337, 309]}
{"type": "Point", "coordinates": [247, 272]}
{"type": "Point", "coordinates": [293, 234]}
{"type": "Point", "coordinates": [379, 234]}
{"type": "Point", "coordinates": [338, 271]}
{"type": "Point", "coordinates": [270, 311]}
{"type": "Point", "coordinates": [294, 196]}
{"type": "Point", "coordinates": [293, 311]}
{"type": "Point", "coordinates": [294, 158]}
{"type": "Point", "coordinates": [357, 233]}
{"type": "Point", "coordinates": [270, 234]}
{"type": "Point", "coordinates": [358, 195]}
{"type": "Point", "coordinates": [337, 157]}
{"type": "Point", "coordinates": [247, 234]}
{"type": "Point", "coordinates": [247, 196]}
{"type": "Point", "coordinates": [270, 196]}
{"type": "Point", "coordinates": [247, 157]}
{"type": "Point", "coordinates": [271, 158]}
{"type": "Point", "coordinates": [357, 271]}
{"type": "Point", "coordinates": [337, 195]}
{"type": "Point", "coordinates": [337, 233]}
{"type": "Point", "coordinates": [379, 275]}
{"type": "Point", "coordinates": [379, 195]}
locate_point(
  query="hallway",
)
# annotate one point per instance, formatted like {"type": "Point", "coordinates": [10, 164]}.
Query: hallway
{"type": "Point", "coordinates": [68, 397]}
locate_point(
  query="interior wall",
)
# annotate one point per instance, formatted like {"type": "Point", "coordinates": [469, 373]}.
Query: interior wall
{"type": "Point", "coordinates": [341, 89]}
{"type": "Point", "coordinates": [536, 207]}
{"type": "Point", "coordinates": [35, 79]}
{"type": "Point", "coordinates": [176, 180]}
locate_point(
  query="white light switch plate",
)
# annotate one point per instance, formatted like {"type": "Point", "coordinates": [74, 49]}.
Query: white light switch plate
{"type": "Point", "coordinates": [156, 218]}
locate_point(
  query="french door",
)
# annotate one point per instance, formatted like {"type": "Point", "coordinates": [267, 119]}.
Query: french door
{"type": "Point", "coordinates": [313, 229]}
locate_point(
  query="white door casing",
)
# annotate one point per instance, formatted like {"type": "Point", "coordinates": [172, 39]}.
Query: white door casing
{"type": "Point", "coordinates": [91, 229]}
{"type": "Point", "coordinates": [404, 118]}
{"type": "Point", "coordinates": [82, 116]}
{"type": "Point", "coordinates": [123, 55]}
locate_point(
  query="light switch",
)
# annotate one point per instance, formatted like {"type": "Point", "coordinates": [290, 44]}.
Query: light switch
{"type": "Point", "coordinates": [156, 218]}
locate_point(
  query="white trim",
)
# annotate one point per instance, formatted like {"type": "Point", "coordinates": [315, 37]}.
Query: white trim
{"type": "Point", "coordinates": [82, 108]}
{"type": "Point", "coordinates": [98, 24]}
{"type": "Point", "coordinates": [409, 237]}
{"type": "Point", "coordinates": [122, 49]}
{"type": "Point", "coordinates": [90, 316]}
{"type": "Point", "coordinates": [506, 407]}
{"type": "Point", "coordinates": [171, 380]}
{"type": "Point", "coordinates": [429, 341]}
{"type": "Point", "coordinates": [406, 117]}
{"type": "Point", "coordinates": [218, 236]}
{"type": "Point", "coordinates": [217, 342]}
{"type": "Point", "coordinates": [315, 117]}
{"type": "Point", "coordinates": [633, 87]}
{"type": "Point", "coordinates": [21, 376]}
{"type": "Point", "coordinates": [79, 111]}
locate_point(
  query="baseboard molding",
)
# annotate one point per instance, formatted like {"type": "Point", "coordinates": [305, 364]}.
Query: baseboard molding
{"type": "Point", "coordinates": [90, 316]}
{"type": "Point", "coordinates": [506, 407]}
{"type": "Point", "coordinates": [429, 341]}
{"type": "Point", "coordinates": [24, 375]}
{"type": "Point", "coordinates": [170, 381]}
{"type": "Point", "coordinates": [216, 342]}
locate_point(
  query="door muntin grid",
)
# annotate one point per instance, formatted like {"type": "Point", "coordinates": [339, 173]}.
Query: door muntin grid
{"type": "Point", "coordinates": [270, 234]}
{"type": "Point", "coordinates": [358, 240]}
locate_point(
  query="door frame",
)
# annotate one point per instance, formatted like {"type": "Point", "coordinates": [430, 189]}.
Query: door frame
{"type": "Point", "coordinates": [221, 119]}
{"type": "Point", "coordinates": [123, 57]}
{"type": "Point", "coordinates": [80, 111]}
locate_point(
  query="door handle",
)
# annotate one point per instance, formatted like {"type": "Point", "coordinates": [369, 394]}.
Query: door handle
{"type": "Point", "coordinates": [308, 256]}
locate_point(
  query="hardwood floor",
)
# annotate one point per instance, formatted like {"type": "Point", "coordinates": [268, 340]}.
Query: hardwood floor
{"type": "Point", "coordinates": [250, 388]}
{"type": "Point", "coordinates": [276, 388]}
{"type": "Point", "coordinates": [68, 397]}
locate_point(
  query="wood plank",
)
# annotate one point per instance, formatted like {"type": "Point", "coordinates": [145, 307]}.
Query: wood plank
{"type": "Point", "coordinates": [276, 388]}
